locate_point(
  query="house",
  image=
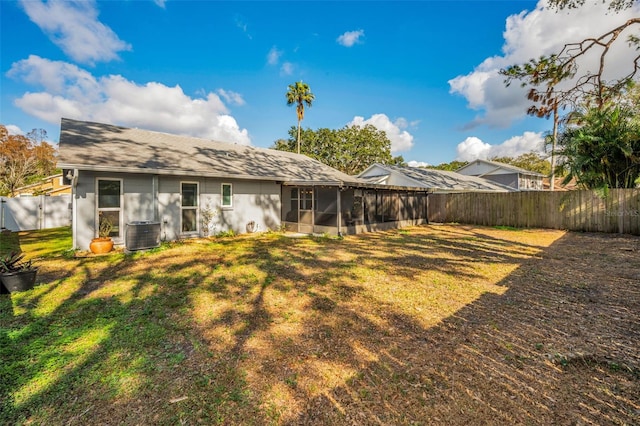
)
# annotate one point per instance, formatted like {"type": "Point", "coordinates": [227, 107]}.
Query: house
{"type": "Point", "coordinates": [504, 174]}
{"type": "Point", "coordinates": [559, 185]}
{"type": "Point", "coordinates": [195, 187]}
{"type": "Point", "coordinates": [437, 181]}
{"type": "Point", "coordinates": [50, 185]}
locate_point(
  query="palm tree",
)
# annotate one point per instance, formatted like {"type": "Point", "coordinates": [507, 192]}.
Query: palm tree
{"type": "Point", "coordinates": [300, 94]}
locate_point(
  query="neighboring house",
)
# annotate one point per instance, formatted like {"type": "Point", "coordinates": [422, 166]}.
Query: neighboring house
{"type": "Point", "coordinates": [196, 187]}
{"type": "Point", "coordinates": [437, 181]}
{"type": "Point", "coordinates": [559, 185]}
{"type": "Point", "coordinates": [50, 185]}
{"type": "Point", "coordinates": [504, 174]}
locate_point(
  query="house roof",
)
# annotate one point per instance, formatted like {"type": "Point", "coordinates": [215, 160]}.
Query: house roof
{"type": "Point", "coordinates": [104, 147]}
{"type": "Point", "coordinates": [438, 180]}
{"type": "Point", "coordinates": [502, 166]}
{"type": "Point", "coordinates": [48, 185]}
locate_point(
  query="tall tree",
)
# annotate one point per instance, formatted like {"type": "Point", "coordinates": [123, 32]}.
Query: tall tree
{"type": "Point", "coordinates": [563, 65]}
{"type": "Point", "coordinates": [23, 159]}
{"type": "Point", "coordinates": [350, 149]}
{"type": "Point", "coordinates": [573, 51]}
{"type": "Point", "coordinates": [550, 71]}
{"type": "Point", "coordinates": [614, 5]}
{"type": "Point", "coordinates": [299, 94]}
{"type": "Point", "coordinates": [543, 77]}
{"type": "Point", "coordinates": [44, 152]}
{"type": "Point", "coordinates": [601, 147]}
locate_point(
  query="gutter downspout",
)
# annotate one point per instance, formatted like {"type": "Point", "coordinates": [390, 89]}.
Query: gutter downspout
{"type": "Point", "coordinates": [74, 210]}
{"type": "Point", "coordinates": [339, 208]}
{"type": "Point", "coordinates": [154, 191]}
{"type": "Point", "coordinates": [426, 207]}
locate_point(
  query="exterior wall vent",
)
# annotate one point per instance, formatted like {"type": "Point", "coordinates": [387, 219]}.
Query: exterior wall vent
{"type": "Point", "coordinates": [142, 234]}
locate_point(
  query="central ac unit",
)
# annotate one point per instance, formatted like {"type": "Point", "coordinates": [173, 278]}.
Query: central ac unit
{"type": "Point", "coordinates": [142, 234]}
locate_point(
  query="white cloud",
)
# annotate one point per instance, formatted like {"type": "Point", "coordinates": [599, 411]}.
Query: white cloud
{"type": "Point", "coordinates": [273, 57]}
{"type": "Point", "coordinates": [160, 3]}
{"type": "Point", "coordinates": [231, 97]}
{"type": "Point", "coordinates": [14, 130]}
{"type": "Point", "coordinates": [350, 38]}
{"type": "Point", "coordinates": [414, 163]}
{"type": "Point", "coordinates": [401, 140]}
{"type": "Point", "coordinates": [74, 27]}
{"type": "Point", "coordinates": [473, 148]}
{"type": "Point", "coordinates": [530, 35]}
{"type": "Point", "coordinates": [72, 92]}
{"type": "Point", "coordinates": [244, 27]}
{"type": "Point", "coordinates": [286, 68]}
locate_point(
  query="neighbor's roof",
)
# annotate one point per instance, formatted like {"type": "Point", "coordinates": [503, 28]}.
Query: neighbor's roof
{"type": "Point", "coordinates": [503, 166]}
{"type": "Point", "coordinates": [441, 180]}
{"type": "Point", "coordinates": [103, 147]}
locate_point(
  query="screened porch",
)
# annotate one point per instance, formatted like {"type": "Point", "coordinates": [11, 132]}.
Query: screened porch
{"type": "Point", "coordinates": [351, 210]}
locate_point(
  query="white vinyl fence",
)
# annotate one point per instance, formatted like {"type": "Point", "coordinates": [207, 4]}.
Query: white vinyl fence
{"type": "Point", "coordinates": [39, 212]}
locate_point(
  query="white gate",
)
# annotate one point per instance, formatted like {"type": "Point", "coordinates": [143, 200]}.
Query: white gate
{"type": "Point", "coordinates": [39, 212]}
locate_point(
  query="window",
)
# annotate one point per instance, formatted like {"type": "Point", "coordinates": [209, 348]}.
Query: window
{"type": "Point", "coordinates": [189, 207]}
{"type": "Point", "coordinates": [302, 198]}
{"type": "Point", "coordinates": [306, 199]}
{"type": "Point", "coordinates": [227, 195]}
{"type": "Point", "coordinates": [294, 199]}
{"type": "Point", "coordinates": [109, 205]}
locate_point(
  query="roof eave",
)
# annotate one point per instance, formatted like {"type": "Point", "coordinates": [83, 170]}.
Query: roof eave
{"type": "Point", "coordinates": [167, 172]}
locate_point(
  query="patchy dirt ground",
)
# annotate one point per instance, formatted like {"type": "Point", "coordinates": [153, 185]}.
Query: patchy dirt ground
{"type": "Point", "coordinates": [430, 325]}
{"type": "Point", "coordinates": [556, 342]}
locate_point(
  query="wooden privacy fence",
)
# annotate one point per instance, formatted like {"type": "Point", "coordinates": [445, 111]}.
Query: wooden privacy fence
{"type": "Point", "coordinates": [618, 211]}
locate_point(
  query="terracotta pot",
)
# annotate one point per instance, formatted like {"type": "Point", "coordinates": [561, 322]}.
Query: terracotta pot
{"type": "Point", "coordinates": [101, 245]}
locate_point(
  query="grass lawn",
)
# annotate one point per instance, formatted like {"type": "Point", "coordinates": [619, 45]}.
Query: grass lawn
{"type": "Point", "coordinates": [429, 325]}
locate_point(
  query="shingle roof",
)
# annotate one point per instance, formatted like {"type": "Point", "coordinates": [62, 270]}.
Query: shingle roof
{"type": "Point", "coordinates": [103, 147]}
{"type": "Point", "coordinates": [441, 180]}
{"type": "Point", "coordinates": [505, 166]}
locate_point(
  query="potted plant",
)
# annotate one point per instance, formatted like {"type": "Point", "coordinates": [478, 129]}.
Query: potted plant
{"type": "Point", "coordinates": [16, 274]}
{"type": "Point", "coordinates": [104, 243]}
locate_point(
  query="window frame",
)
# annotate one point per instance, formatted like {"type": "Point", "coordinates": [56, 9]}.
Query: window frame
{"type": "Point", "coordinates": [222, 204]}
{"type": "Point", "coordinates": [196, 207]}
{"type": "Point", "coordinates": [306, 199]}
{"type": "Point", "coordinates": [119, 209]}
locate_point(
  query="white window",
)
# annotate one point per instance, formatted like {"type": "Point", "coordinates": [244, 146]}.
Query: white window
{"type": "Point", "coordinates": [109, 205]}
{"type": "Point", "coordinates": [189, 207]}
{"type": "Point", "coordinates": [227, 195]}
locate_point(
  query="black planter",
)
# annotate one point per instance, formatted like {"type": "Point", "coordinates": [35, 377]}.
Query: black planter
{"type": "Point", "coordinates": [18, 281]}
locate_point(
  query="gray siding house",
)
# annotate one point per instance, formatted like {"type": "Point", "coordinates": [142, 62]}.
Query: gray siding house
{"type": "Point", "coordinates": [436, 181]}
{"type": "Point", "coordinates": [195, 187]}
{"type": "Point", "coordinates": [504, 174]}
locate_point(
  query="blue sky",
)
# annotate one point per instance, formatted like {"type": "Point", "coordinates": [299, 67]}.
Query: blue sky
{"type": "Point", "coordinates": [423, 71]}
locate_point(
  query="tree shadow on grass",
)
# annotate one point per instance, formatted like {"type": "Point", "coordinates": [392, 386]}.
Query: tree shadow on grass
{"type": "Point", "coordinates": [559, 346]}
{"type": "Point", "coordinates": [293, 332]}
{"type": "Point", "coordinates": [9, 378]}
{"type": "Point", "coordinates": [112, 347]}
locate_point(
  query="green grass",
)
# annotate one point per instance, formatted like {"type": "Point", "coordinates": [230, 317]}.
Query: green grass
{"type": "Point", "coordinates": [9, 242]}
{"type": "Point", "coordinates": [259, 328]}
{"type": "Point", "coordinates": [45, 243]}
{"type": "Point", "coordinates": [507, 228]}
